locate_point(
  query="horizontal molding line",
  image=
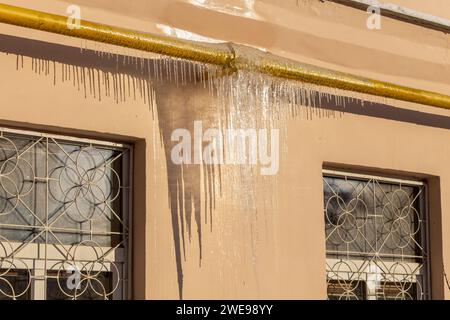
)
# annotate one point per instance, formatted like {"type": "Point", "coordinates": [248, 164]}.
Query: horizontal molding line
{"type": "Point", "coordinates": [397, 12]}
{"type": "Point", "coordinates": [228, 55]}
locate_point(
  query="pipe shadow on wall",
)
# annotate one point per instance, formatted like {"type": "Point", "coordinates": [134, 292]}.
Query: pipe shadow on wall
{"type": "Point", "coordinates": [120, 77]}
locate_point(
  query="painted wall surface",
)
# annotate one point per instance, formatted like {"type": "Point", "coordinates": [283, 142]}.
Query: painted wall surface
{"type": "Point", "coordinates": [277, 251]}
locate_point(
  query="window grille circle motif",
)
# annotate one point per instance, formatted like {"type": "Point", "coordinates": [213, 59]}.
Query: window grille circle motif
{"type": "Point", "coordinates": [84, 186]}
{"type": "Point", "coordinates": [85, 191]}
{"type": "Point", "coordinates": [13, 179]}
{"type": "Point", "coordinates": [87, 274]}
{"type": "Point", "coordinates": [370, 222]}
{"type": "Point", "coordinates": [6, 265]}
{"type": "Point", "coordinates": [341, 272]}
{"type": "Point", "coordinates": [4, 157]}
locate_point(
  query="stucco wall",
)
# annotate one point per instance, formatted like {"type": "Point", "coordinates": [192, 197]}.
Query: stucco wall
{"type": "Point", "coordinates": [287, 257]}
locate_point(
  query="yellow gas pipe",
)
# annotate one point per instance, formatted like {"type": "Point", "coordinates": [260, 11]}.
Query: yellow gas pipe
{"type": "Point", "coordinates": [228, 55]}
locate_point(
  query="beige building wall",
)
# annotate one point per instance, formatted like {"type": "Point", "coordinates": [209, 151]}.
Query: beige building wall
{"type": "Point", "coordinates": [280, 252]}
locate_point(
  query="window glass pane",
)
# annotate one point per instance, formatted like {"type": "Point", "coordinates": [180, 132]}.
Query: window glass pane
{"type": "Point", "coordinates": [15, 284]}
{"type": "Point", "coordinates": [346, 290]}
{"type": "Point", "coordinates": [64, 286]}
{"type": "Point", "coordinates": [401, 290]}
{"type": "Point", "coordinates": [74, 188]}
{"type": "Point", "coordinates": [64, 203]}
{"type": "Point", "coordinates": [375, 232]}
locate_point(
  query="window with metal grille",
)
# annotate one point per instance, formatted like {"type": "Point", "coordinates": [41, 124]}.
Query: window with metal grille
{"type": "Point", "coordinates": [64, 217]}
{"type": "Point", "coordinates": [376, 237]}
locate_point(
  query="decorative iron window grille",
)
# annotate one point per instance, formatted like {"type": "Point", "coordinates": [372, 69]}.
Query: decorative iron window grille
{"type": "Point", "coordinates": [376, 237]}
{"type": "Point", "coordinates": [64, 217]}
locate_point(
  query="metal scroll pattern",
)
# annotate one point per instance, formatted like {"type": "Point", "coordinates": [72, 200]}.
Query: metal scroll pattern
{"type": "Point", "coordinates": [375, 239]}
{"type": "Point", "coordinates": [63, 218]}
